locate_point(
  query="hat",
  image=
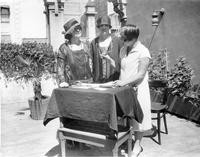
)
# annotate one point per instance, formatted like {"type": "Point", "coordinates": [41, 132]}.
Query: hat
{"type": "Point", "coordinates": [104, 20]}
{"type": "Point", "coordinates": [70, 25]}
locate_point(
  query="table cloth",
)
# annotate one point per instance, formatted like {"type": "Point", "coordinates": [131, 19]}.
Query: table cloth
{"type": "Point", "coordinates": [94, 104]}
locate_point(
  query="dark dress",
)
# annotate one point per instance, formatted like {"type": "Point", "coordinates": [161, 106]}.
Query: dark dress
{"type": "Point", "coordinates": [73, 65]}
{"type": "Point", "coordinates": [114, 50]}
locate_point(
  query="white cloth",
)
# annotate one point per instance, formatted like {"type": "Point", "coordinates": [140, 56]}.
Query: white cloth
{"type": "Point", "coordinates": [129, 68]}
{"type": "Point", "coordinates": [75, 47]}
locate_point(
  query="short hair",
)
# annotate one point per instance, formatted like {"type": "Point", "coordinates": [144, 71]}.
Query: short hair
{"type": "Point", "coordinates": [130, 32]}
{"type": "Point", "coordinates": [68, 37]}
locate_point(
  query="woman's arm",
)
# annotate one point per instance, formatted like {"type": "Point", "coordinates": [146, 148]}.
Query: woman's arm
{"type": "Point", "coordinates": [91, 54]}
{"type": "Point", "coordinates": [112, 62]}
{"type": "Point", "coordinates": [63, 69]}
{"type": "Point", "coordinates": [136, 79]}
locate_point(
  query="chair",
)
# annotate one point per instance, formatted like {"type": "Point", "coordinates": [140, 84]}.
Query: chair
{"type": "Point", "coordinates": [158, 105]}
{"type": "Point", "coordinates": [97, 134]}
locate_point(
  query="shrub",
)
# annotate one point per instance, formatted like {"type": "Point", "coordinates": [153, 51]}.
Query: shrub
{"type": "Point", "coordinates": [27, 62]}
{"type": "Point", "coordinates": [158, 65]}
{"type": "Point", "coordinates": [180, 77]}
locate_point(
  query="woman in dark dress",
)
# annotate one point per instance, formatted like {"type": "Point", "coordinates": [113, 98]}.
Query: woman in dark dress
{"type": "Point", "coordinates": [73, 62]}
{"type": "Point", "coordinates": [73, 56]}
{"type": "Point", "coordinates": [104, 49]}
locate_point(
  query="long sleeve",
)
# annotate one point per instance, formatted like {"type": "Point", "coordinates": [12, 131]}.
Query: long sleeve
{"type": "Point", "coordinates": [62, 65]}
{"type": "Point", "coordinates": [87, 49]}
{"type": "Point", "coordinates": [92, 60]}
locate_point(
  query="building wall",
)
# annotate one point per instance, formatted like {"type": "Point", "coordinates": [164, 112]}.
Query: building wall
{"type": "Point", "coordinates": [26, 20]}
{"type": "Point", "coordinates": [72, 9]}
{"type": "Point", "coordinates": [33, 19]}
{"type": "Point", "coordinates": [101, 7]}
{"type": "Point", "coordinates": [178, 31]}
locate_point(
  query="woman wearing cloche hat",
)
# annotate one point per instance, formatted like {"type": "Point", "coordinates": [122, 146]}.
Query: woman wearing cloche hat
{"type": "Point", "coordinates": [73, 56]}
{"type": "Point", "coordinates": [104, 51]}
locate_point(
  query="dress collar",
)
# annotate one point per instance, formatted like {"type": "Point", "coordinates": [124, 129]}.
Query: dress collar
{"type": "Point", "coordinates": [135, 47]}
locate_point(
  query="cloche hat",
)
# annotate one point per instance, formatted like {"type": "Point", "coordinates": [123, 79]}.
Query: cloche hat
{"type": "Point", "coordinates": [104, 20]}
{"type": "Point", "coordinates": [70, 25]}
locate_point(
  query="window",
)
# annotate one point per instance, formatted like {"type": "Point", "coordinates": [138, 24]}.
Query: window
{"type": "Point", "coordinates": [5, 14]}
{"type": "Point", "coordinates": [5, 38]}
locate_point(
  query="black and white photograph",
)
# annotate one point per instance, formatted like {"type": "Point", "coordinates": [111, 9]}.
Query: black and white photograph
{"type": "Point", "coordinates": [102, 78]}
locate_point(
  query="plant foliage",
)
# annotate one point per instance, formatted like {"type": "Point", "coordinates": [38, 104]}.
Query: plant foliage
{"type": "Point", "coordinates": [26, 61]}
{"type": "Point", "coordinates": [158, 65]}
{"type": "Point", "coordinates": [180, 77]}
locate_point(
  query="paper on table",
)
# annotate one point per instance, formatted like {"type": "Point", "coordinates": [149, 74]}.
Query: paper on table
{"type": "Point", "coordinates": [86, 85]}
{"type": "Point", "coordinates": [91, 85]}
{"type": "Point", "coordinates": [107, 85]}
{"type": "Point", "coordinates": [78, 86]}
{"type": "Point", "coordinates": [99, 88]}
{"type": "Point", "coordinates": [94, 85]}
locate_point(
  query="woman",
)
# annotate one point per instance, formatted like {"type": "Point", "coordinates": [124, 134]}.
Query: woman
{"type": "Point", "coordinates": [135, 59]}
{"type": "Point", "coordinates": [103, 45]}
{"type": "Point", "coordinates": [73, 56]}
{"type": "Point", "coordinates": [73, 61]}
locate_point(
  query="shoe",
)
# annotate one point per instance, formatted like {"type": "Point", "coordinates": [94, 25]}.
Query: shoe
{"type": "Point", "coordinates": [124, 146]}
{"type": "Point", "coordinates": [137, 154]}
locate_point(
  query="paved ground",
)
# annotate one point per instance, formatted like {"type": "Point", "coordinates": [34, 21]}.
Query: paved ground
{"type": "Point", "coordinates": [23, 137]}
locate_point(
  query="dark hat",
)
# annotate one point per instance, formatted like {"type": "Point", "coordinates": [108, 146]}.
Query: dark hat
{"type": "Point", "coordinates": [70, 25]}
{"type": "Point", "coordinates": [104, 20]}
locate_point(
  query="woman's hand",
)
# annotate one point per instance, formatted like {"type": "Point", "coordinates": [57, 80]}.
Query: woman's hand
{"type": "Point", "coordinates": [63, 84]}
{"type": "Point", "coordinates": [106, 56]}
{"type": "Point", "coordinates": [119, 83]}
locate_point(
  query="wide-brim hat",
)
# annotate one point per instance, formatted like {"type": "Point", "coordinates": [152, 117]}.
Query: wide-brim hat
{"type": "Point", "coordinates": [104, 20]}
{"type": "Point", "coordinates": [70, 25]}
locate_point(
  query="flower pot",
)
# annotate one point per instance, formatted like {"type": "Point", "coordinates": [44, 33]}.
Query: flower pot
{"type": "Point", "coordinates": [158, 83]}
{"type": "Point", "coordinates": [171, 101]}
{"type": "Point", "coordinates": [183, 108]}
{"type": "Point", "coordinates": [175, 104]}
{"type": "Point", "coordinates": [38, 108]}
{"type": "Point", "coordinates": [195, 114]}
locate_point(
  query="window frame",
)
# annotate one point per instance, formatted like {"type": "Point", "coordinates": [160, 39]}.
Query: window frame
{"type": "Point", "coordinates": [5, 17]}
{"type": "Point", "coordinates": [5, 38]}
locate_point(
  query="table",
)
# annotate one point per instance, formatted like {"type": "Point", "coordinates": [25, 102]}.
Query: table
{"type": "Point", "coordinates": [94, 105]}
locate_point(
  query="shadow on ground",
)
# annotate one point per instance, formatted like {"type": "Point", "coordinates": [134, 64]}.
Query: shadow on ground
{"type": "Point", "coordinates": [54, 151]}
{"type": "Point", "coordinates": [80, 150]}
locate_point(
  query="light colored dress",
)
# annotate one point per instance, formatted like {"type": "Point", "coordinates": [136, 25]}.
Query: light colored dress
{"type": "Point", "coordinates": [129, 68]}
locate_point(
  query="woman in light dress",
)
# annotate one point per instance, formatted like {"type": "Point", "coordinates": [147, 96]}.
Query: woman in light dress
{"type": "Point", "coordinates": [135, 59]}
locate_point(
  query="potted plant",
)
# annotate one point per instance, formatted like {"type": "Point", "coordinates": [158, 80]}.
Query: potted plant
{"type": "Point", "coordinates": [158, 67]}
{"type": "Point", "coordinates": [28, 62]}
{"type": "Point", "coordinates": [158, 74]}
{"type": "Point", "coordinates": [180, 82]}
{"type": "Point", "coordinates": [192, 98]}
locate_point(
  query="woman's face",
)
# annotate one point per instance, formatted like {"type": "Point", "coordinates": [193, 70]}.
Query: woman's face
{"type": "Point", "coordinates": [129, 43]}
{"type": "Point", "coordinates": [104, 29]}
{"type": "Point", "coordinates": [77, 31]}
{"type": "Point", "coordinates": [126, 42]}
